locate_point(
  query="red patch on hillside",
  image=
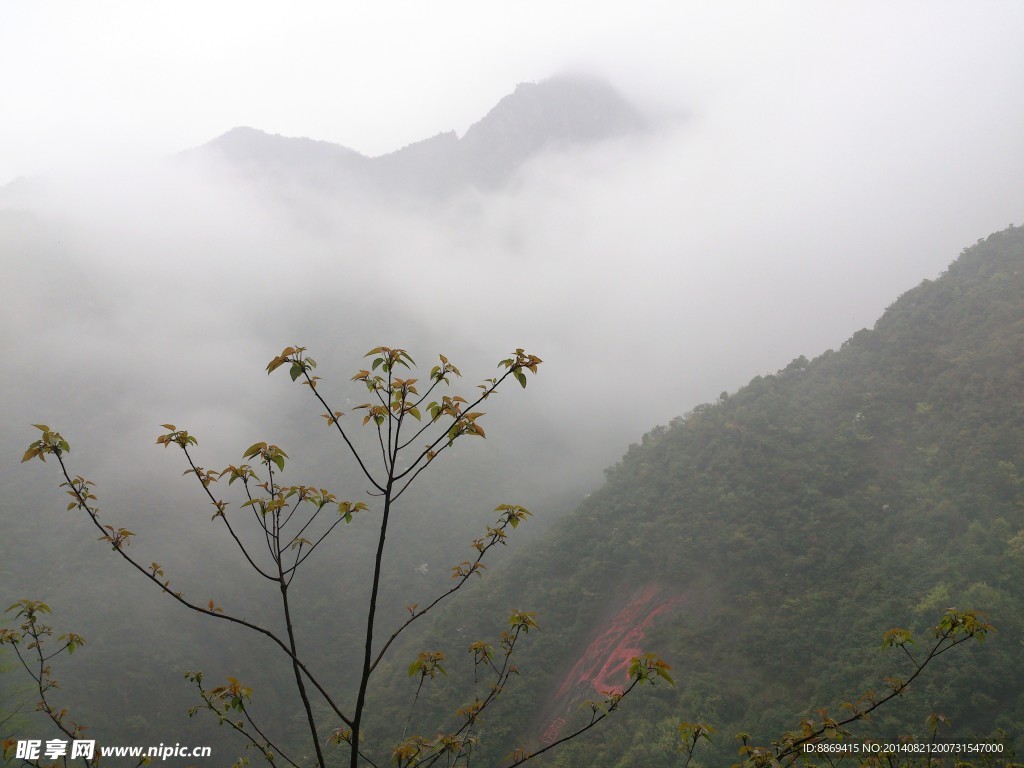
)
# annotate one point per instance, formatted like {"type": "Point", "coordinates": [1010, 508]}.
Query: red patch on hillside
{"type": "Point", "coordinates": [604, 666]}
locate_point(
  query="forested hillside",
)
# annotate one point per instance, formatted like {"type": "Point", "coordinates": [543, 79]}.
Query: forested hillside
{"type": "Point", "coordinates": [763, 543]}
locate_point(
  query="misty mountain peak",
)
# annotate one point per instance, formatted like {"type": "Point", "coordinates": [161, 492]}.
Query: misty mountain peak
{"type": "Point", "coordinates": [260, 154]}
{"type": "Point", "coordinates": [562, 110]}
{"type": "Point", "coordinates": [557, 113]}
{"type": "Point", "coordinates": [252, 142]}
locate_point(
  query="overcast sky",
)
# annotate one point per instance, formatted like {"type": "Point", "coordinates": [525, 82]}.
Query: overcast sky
{"type": "Point", "coordinates": [85, 83]}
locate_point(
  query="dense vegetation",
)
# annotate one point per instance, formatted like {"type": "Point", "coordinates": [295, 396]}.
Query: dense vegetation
{"type": "Point", "coordinates": [791, 523]}
{"type": "Point", "coordinates": [762, 544]}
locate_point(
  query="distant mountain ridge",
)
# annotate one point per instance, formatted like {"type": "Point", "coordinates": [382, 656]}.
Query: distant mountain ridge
{"type": "Point", "coordinates": [557, 113]}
